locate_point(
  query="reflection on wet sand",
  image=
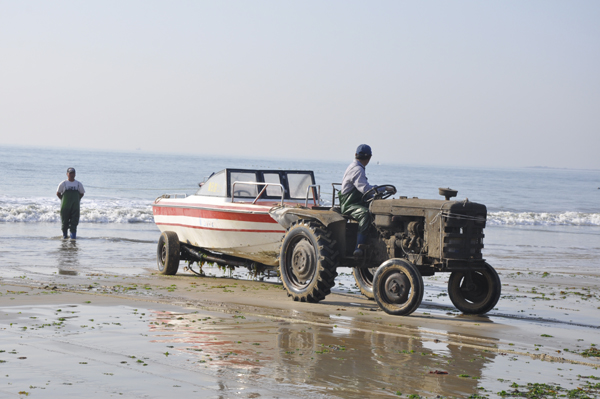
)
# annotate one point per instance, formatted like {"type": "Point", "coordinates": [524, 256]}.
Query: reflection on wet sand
{"type": "Point", "coordinates": [68, 258]}
{"type": "Point", "coordinates": [357, 363]}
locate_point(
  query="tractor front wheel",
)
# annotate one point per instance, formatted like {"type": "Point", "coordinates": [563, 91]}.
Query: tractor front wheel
{"type": "Point", "coordinates": [475, 292]}
{"type": "Point", "coordinates": [398, 287]}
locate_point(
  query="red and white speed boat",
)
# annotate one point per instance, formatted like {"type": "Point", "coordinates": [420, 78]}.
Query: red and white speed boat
{"type": "Point", "coordinates": [230, 214]}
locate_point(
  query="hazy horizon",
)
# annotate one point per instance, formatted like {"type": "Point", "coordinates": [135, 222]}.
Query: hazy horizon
{"type": "Point", "coordinates": [465, 83]}
{"type": "Point", "coordinates": [269, 158]}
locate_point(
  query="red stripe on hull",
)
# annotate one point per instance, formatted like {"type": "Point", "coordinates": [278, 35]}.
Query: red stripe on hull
{"type": "Point", "coordinates": [247, 207]}
{"type": "Point", "coordinates": [212, 214]}
{"type": "Point", "coordinates": [215, 228]}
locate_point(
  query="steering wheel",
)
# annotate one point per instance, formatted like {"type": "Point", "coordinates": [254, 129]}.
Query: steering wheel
{"type": "Point", "coordinates": [243, 193]}
{"type": "Point", "coordinates": [379, 192]}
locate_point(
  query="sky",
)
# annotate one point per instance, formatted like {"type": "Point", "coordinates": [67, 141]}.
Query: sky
{"type": "Point", "coordinates": [467, 83]}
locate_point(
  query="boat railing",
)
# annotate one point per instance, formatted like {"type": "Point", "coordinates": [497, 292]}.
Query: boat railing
{"type": "Point", "coordinates": [334, 191]}
{"type": "Point", "coordinates": [315, 198]}
{"type": "Point", "coordinates": [253, 183]}
{"type": "Point", "coordinates": [178, 195]}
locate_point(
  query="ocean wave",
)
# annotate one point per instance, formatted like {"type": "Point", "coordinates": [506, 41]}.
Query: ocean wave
{"type": "Point", "coordinates": [544, 218]}
{"type": "Point", "coordinates": [37, 210]}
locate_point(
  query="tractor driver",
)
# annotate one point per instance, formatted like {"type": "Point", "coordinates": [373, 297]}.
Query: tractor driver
{"type": "Point", "coordinates": [354, 186]}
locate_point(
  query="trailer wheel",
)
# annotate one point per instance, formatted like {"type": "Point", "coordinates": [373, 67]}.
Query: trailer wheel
{"type": "Point", "coordinates": [167, 253]}
{"type": "Point", "coordinates": [307, 261]}
{"type": "Point", "coordinates": [475, 292]}
{"type": "Point", "coordinates": [398, 287]}
{"type": "Point", "coordinates": [364, 280]}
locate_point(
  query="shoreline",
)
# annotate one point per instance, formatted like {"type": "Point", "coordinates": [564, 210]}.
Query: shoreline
{"type": "Point", "coordinates": [373, 348]}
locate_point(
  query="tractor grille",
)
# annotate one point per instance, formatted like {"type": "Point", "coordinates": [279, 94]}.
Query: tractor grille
{"type": "Point", "coordinates": [463, 235]}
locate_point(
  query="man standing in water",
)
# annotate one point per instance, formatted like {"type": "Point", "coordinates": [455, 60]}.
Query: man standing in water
{"type": "Point", "coordinates": [70, 193]}
{"type": "Point", "coordinates": [354, 186]}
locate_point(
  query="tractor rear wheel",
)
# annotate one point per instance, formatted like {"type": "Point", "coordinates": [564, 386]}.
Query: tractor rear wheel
{"type": "Point", "coordinates": [364, 280]}
{"type": "Point", "coordinates": [308, 261]}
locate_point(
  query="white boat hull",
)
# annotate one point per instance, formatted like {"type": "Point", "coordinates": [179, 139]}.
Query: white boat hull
{"type": "Point", "coordinates": [243, 230]}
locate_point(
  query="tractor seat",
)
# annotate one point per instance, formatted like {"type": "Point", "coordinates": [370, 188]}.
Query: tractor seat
{"type": "Point", "coordinates": [337, 209]}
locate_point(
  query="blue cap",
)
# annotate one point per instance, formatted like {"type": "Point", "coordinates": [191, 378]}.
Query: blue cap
{"type": "Point", "coordinates": [363, 151]}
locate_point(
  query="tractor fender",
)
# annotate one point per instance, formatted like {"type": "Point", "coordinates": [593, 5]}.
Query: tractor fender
{"type": "Point", "coordinates": [287, 216]}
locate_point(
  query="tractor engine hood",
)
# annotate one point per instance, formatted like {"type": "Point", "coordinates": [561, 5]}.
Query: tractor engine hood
{"type": "Point", "coordinates": [420, 207]}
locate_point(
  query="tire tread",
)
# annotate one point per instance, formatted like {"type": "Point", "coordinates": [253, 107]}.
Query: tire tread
{"type": "Point", "coordinates": [325, 273]}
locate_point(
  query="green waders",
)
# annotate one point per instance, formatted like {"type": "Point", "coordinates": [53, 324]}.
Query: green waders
{"type": "Point", "coordinates": [69, 211]}
{"type": "Point", "coordinates": [351, 205]}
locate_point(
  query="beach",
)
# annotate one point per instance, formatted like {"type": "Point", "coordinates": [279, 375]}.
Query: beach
{"type": "Point", "coordinates": [91, 317]}
{"type": "Point", "coordinates": [185, 133]}
{"type": "Point", "coordinates": [148, 335]}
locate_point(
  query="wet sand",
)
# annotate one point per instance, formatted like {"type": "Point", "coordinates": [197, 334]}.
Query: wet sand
{"type": "Point", "coordinates": [77, 334]}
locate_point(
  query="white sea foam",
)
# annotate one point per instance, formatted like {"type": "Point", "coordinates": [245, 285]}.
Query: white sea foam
{"type": "Point", "coordinates": [35, 210]}
{"type": "Point", "coordinates": [544, 219]}
{"type": "Point", "coordinates": [43, 209]}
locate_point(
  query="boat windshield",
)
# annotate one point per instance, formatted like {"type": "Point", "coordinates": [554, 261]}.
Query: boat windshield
{"type": "Point", "coordinates": [273, 191]}
{"type": "Point", "coordinates": [298, 183]}
{"type": "Point", "coordinates": [215, 186]}
{"type": "Point", "coordinates": [243, 190]}
{"type": "Point", "coordinates": [294, 183]}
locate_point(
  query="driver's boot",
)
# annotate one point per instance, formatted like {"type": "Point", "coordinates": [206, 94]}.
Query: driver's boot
{"type": "Point", "coordinates": [359, 252]}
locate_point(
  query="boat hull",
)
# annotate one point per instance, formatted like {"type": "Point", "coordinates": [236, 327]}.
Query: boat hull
{"type": "Point", "coordinates": [238, 229]}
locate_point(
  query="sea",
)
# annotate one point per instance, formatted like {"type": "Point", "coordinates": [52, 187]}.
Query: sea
{"type": "Point", "coordinates": [540, 219]}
